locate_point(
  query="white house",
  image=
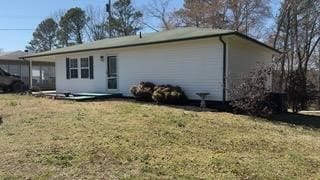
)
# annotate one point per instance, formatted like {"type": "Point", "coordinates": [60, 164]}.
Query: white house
{"type": "Point", "coordinates": [196, 59]}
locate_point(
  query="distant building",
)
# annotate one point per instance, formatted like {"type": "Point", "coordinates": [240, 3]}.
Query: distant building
{"type": "Point", "coordinates": [43, 73]}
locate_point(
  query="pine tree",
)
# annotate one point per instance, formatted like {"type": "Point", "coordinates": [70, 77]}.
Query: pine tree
{"type": "Point", "coordinates": [125, 20]}
{"type": "Point", "coordinates": [44, 37]}
{"type": "Point", "coordinates": [72, 25]}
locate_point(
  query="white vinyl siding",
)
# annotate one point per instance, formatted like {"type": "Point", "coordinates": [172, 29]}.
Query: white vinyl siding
{"type": "Point", "coordinates": [243, 58]}
{"type": "Point", "coordinates": [80, 85]}
{"type": "Point", "coordinates": [194, 65]}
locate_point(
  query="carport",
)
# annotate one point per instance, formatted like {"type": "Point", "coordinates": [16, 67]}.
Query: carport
{"type": "Point", "coordinates": [42, 73]}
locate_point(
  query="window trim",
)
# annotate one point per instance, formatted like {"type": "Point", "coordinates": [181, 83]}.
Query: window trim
{"type": "Point", "coordinates": [74, 68]}
{"type": "Point", "coordinates": [85, 67]}
{"type": "Point", "coordinates": [89, 67]}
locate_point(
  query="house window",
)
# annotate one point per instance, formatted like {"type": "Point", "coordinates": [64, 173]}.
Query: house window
{"type": "Point", "coordinates": [73, 68]}
{"type": "Point", "coordinates": [84, 68]}
{"type": "Point", "coordinates": [80, 69]}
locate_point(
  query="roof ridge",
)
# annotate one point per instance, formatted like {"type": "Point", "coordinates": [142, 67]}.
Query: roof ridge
{"type": "Point", "coordinates": [178, 34]}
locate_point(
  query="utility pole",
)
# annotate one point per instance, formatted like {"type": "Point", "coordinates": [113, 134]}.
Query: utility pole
{"type": "Point", "coordinates": [109, 10]}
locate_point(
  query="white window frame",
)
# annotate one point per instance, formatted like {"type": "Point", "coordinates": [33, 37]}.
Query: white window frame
{"type": "Point", "coordinates": [74, 68]}
{"type": "Point", "coordinates": [85, 68]}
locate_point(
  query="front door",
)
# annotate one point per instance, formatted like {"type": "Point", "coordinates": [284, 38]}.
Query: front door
{"type": "Point", "coordinates": [112, 73]}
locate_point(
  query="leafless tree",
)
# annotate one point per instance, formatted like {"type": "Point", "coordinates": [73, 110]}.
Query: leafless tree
{"type": "Point", "coordinates": [297, 35]}
{"type": "Point", "coordinates": [246, 16]}
{"type": "Point", "coordinates": [200, 13]}
{"type": "Point", "coordinates": [315, 65]}
{"type": "Point", "coordinates": [160, 10]}
{"type": "Point", "coordinates": [96, 27]}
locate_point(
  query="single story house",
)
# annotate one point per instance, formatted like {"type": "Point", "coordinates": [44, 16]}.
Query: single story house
{"type": "Point", "coordinates": [196, 59]}
{"type": "Point", "coordinates": [42, 74]}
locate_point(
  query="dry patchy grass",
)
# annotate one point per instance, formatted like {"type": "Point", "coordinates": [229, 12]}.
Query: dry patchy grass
{"type": "Point", "coordinates": [42, 138]}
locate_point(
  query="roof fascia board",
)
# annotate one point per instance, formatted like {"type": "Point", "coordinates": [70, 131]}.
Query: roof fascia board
{"type": "Point", "coordinates": [257, 42]}
{"type": "Point", "coordinates": [152, 43]}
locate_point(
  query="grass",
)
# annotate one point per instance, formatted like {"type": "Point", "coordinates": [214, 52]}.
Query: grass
{"type": "Point", "coordinates": [47, 139]}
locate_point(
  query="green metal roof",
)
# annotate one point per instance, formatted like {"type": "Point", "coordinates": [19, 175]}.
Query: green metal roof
{"type": "Point", "coordinates": [179, 34]}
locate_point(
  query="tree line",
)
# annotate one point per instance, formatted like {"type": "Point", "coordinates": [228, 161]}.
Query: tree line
{"type": "Point", "coordinates": [76, 26]}
{"type": "Point", "coordinates": [297, 35]}
{"type": "Point", "coordinates": [246, 16]}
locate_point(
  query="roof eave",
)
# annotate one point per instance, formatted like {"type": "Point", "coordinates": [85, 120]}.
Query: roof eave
{"type": "Point", "coordinates": [258, 42]}
{"type": "Point", "coordinates": [152, 43]}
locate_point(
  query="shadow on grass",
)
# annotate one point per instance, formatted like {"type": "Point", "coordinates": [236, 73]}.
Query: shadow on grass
{"type": "Point", "coordinates": [310, 121]}
{"type": "Point", "coordinates": [186, 107]}
{"type": "Point", "coordinates": [297, 119]}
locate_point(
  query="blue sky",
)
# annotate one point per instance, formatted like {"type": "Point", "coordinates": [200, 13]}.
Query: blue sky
{"type": "Point", "coordinates": [27, 14]}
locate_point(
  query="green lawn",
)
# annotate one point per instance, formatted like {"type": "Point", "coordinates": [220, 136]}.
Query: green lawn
{"type": "Point", "coordinates": [42, 138]}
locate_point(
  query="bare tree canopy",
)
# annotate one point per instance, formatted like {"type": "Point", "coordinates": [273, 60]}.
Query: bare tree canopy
{"type": "Point", "coordinates": [44, 37]}
{"type": "Point", "coordinates": [96, 26]}
{"type": "Point", "coordinates": [246, 16]}
{"type": "Point", "coordinates": [297, 35]}
{"type": "Point", "coordinates": [160, 10]}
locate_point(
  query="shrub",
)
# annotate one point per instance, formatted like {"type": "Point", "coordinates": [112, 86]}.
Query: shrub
{"type": "Point", "coordinates": [162, 94]}
{"type": "Point", "coordinates": [167, 94]}
{"type": "Point", "coordinates": [300, 91]}
{"type": "Point", "coordinates": [252, 96]}
{"type": "Point", "coordinates": [143, 91]}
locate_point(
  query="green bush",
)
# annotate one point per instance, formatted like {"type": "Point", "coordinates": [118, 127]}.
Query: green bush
{"type": "Point", "coordinates": [143, 91]}
{"type": "Point", "coordinates": [167, 94]}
